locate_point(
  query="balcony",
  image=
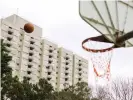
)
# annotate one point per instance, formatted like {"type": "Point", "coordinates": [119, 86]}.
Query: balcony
{"type": "Point", "coordinates": [49, 73]}
{"type": "Point", "coordinates": [10, 31]}
{"type": "Point", "coordinates": [9, 39]}
{"type": "Point", "coordinates": [30, 54]}
{"type": "Point", "coordinates": [68, 56]}
{"type": "Point", "coordinates": [30, 58]}
{"type": "Point", "coordinates": [79, 79]}
{"type": "Point", "coordinates": [10, 35]}
{"type": "Point", "coordinates": [50, 61]}
{"type": "Point", "coordinates": [28, 72]}
{"type": "Point", "coordinates": [32, 42]}
{"type": "Point", "coordinates": [50, 50]}
{"type": "Point", "coordinates": [80, 69]}
{"type": "Point", "coordinates": [30, 63]}
{"type": "Point", "coordinates": [50, 69]}
{"type": "Point", "coordinates": [66, 79]}
{"type": "Point", "coordinates": [8, 45]}
{"type": "Point", "coordinates": [31, 48]}
{"type": "Point", "coordinates": [49, 78]}
{"type": "Point", "coordinates": [29, 66]}
{"type": "Point", "coordinates": [50, 56]}
{"type": "Point", "coordinates": [66, 71]}
{"type": "Point", "coordinates": [31, 51]}
{"type": "Point", "coordinates": [80, 75]}
{"type": "Point", "coordinates": [80, 72]}
{"type": "Point", "coordinates": [66, 63]}
{"type": "Point", "coordinates": [80, 64]}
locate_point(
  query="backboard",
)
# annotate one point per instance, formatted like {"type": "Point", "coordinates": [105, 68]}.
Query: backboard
{"type": "Point", "coordinates": [112, 19]}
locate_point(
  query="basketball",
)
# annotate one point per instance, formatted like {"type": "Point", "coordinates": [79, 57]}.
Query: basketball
{"type": "Point", "coordinates": [29, 28]}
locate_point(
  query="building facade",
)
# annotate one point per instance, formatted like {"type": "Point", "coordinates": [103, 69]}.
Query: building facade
{"type": "Point", "coordinates": [80, 69]}
{"type": "Point", "coordinates": [65, 67]}
{"type": "Point", "coordinates": [35, 57]}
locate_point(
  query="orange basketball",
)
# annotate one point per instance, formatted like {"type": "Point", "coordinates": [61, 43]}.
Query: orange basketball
{"type": "Point", "coordinates": [29, 28]}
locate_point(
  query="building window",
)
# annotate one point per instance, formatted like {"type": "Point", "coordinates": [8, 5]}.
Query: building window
{"type": "Point", "coordinates": [79, 79]}
{"type": "Point", "coordinates": [47, 67]}
{"type": "Point", "coordinates": [9, 39]}
{"type": "Point", "coordinates": [67, 58]}
{"type": "Point", "coordinates": [18, 64]}
{"type": "Point", "coordinates": [31, 48]}
{"type": "Point", "coordinates": [29, 66]}
{"type": "Point", "coordinates": [80, 69]}
{"type": "Point", "coordinates": [30, 60]}
{"type": "Point", "coordinates": [66, 73]}
{"type": "Point", "coordinates": [67, 63]}
{"type": "Point", "coordinates": [10, 27]}
{"type": "Point", "coordinates": [28, 78]}
{"type": "Point", "coordinates": [80, 64]}
{"type": "Point", "coordinates": [28, 72]}
{"type": "Point", "coordinates": [50, 56]}
{"type": "Point", "coordinates": [8, 44]}
{"type": "Point", "coordinates": [49, 73]}
{"type": "Point", "coordinates": [10, 32]}
{"type": "Point", "coordinates": [40, 54]}
{"type": "Point", "coordinates": [32, 42]}
{"type": "Point", "coordinates": [66, 68]}
{"type": "Point", "coordinates": [30, 54]}
{"type": "Point", "coordinates": [39, 65]}
{"type": "Point", "coordinates": [50, 46]}
{"type": "Point", "coordinates": [32, 37]}
{"type": "Point", "coordinates": [50, 51]}
{"type": "Point", "coordinates": [56, 72]}
{"type": "Point", "coordinates": [48, 79]}
{"type": "Point", "coordinates": [80, 74]}
{"type": "Point", "coordinates": [49, 61]}
{"type": "Point", "coordinates": [66, 79]}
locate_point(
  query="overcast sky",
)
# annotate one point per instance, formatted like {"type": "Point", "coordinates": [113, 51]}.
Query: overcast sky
{"type": "Point", "coordinates": [62, 24]}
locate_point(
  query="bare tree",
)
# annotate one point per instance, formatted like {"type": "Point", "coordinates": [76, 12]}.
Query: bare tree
{"type": "Point", "coordinates": [121, 89]}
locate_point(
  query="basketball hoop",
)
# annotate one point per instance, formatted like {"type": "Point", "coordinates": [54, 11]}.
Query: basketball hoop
{"type": "Point", "coordinates": [100, 57]}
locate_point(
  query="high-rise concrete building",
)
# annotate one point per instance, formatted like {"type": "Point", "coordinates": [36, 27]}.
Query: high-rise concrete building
{"type": "Point", "coordinates": [80, 69]}
{"type": "Point", "coordinates": [36, 58]}
{"type": "Point", "coordinates": [25, 48]}
{"type": "Point", "coordinates": [49, 61]}
{"type": "Point", "coordinates": [65, 67]}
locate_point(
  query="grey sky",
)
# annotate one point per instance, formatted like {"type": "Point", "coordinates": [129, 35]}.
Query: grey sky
{"type": "Point", "coordinates": [62, 24]}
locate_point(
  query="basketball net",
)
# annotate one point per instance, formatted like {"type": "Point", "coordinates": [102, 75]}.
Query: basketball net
{"type": "Point", "coordinates": [101, 62]}
{"type": "Point", "coordinates": [101, 66]}
{"type": "Point", "coordinates": [100, 58]}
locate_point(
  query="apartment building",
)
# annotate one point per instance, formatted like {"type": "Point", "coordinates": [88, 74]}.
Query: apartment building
{"type": "Point", "coordinates": [49, 61]}
{"type": "Point", "coordinates": [35, 57]}
{"type": "Point", "coordinates": [80, 69]}
{"type": "Point", "coordinates": [25, 48]}
{"type": "Point", "coordinates": [65, 67]}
